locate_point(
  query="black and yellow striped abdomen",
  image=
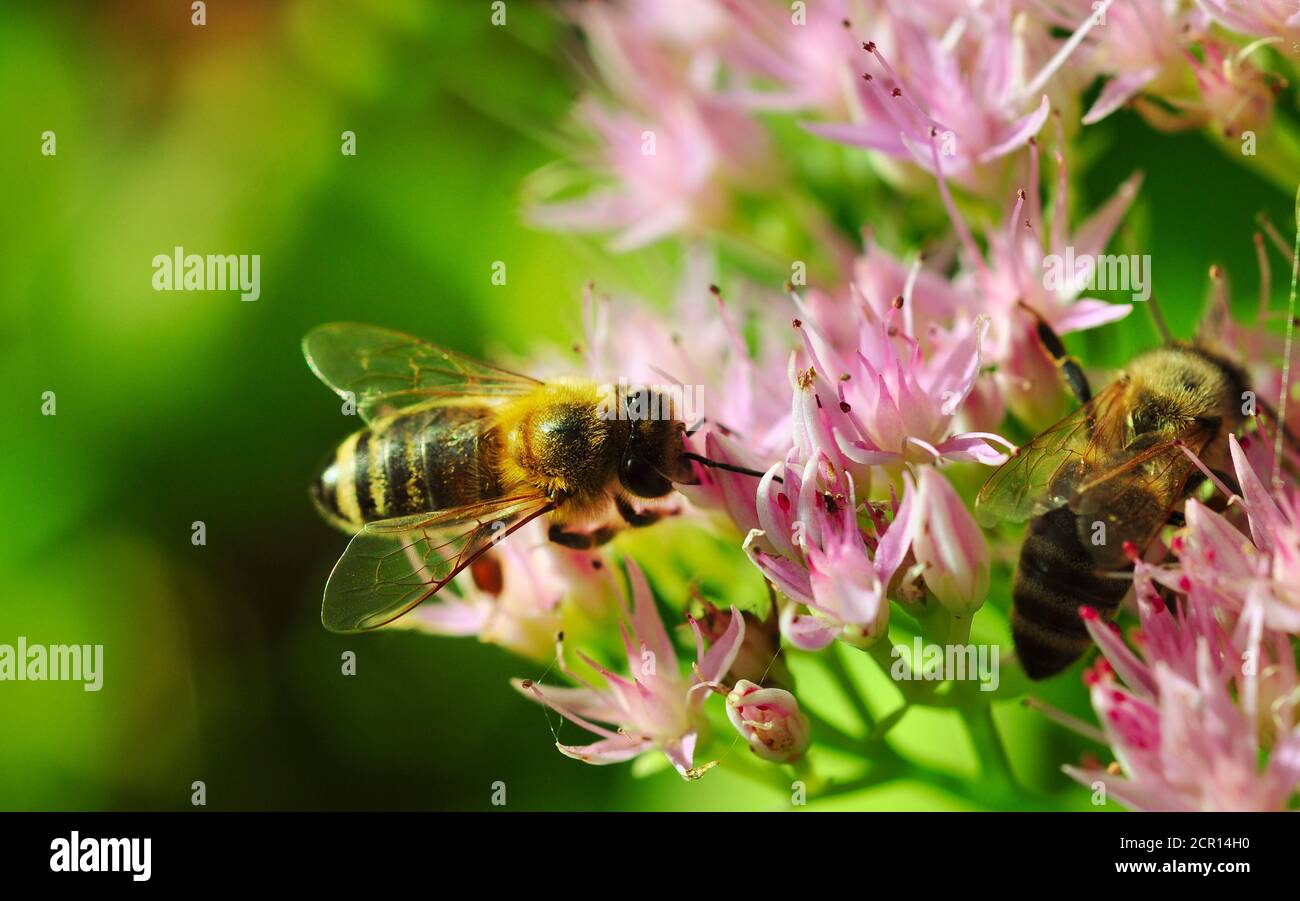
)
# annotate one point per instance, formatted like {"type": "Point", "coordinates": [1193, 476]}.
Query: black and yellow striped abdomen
{"type": "Point", "coordinates": [1055, 577]}
{"type": "Point", "coordinates": [415, 462]}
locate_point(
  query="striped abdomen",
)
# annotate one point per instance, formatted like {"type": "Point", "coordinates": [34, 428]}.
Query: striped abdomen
{"type": "Point", "coordinates": [410, 463]}
{"type": "Point", "coordinates": [1056, 576]}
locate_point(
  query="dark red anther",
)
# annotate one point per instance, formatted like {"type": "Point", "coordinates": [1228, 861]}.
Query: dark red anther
{"type": "Point", "coordinates": [783, 502]}
{"type": "Point", "coordinates": [1131, 550]}
{"type": "Point", "coordinates": [844, 407]}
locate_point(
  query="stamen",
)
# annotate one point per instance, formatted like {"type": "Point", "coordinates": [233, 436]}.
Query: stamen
{"type": "Point", "coordinates": [1286, 357]}
{"type": "Point", "coordinates": [1055, 63]}
{"type": "Point", "coordinates": [1061, 718]}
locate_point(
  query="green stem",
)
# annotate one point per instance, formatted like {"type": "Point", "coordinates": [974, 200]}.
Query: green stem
{"type": "Point", "coordinates": [834, 660]}
{"type": "Point", "coordinates": [988, 744]}
{"type": "Point", "coordinates": [829, 734]}
{"type": "Point", "coordinates": [766, 776]}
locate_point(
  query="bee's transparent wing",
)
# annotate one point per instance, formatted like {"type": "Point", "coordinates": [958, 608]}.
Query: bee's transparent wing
{"type": "Point", "coordinates": [386, 370]}
{"type": "Point", "coordinates": [392, 565]}
{"type": "Point", "coordinates": [1135, 492]}
{"type": "Point", "coordinates": [1045, 473]}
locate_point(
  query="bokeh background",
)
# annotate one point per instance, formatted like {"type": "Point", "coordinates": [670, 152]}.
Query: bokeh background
{"type": "Point", "coordinates": [177, 407]}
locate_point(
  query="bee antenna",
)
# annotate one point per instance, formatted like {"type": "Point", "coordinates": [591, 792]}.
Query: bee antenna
{"type": "Point", "coordinates": [714, 464]}
{"type": "Point", "coordinates": [1158, 320]}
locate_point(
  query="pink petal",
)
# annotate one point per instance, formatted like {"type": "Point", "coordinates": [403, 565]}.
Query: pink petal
{"type": "Point", "coordinates": [1088, 313]}
{"type": "Point", "coordinates": [607, 750]}
{"type": "Point", "coordinates": [718, 660]}
{"type": "Point", "coordinates": [1019, 132]}
{"type": "Point", "coordinates": [1117, 92]}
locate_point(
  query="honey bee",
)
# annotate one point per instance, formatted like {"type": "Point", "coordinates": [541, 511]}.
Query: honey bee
{"type": "Point", "coordinates": [457, 455]}
{"type": "Point", "coordinates": [1098, 487]}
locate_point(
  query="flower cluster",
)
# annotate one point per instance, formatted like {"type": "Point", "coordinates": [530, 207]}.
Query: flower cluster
{"type": "Point", "coordinates": [849, 414]}
{"type": "Point", "coordinates": [1203, 715]}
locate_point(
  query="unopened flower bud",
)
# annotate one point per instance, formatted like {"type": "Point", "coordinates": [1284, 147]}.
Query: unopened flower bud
{"type": "Point", "coordinates": [770, 720]}
{"type": "Point", "coordinates": [949, 546]}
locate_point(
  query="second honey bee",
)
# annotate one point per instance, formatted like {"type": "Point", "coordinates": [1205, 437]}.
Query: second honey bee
{"type": "Point", "coordinates": [457, 455]}
{"type": "Point", "coordinates": [1099, 486]}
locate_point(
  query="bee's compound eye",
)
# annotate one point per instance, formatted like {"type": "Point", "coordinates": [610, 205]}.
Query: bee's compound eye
{"type": "Point", "coordinates": [642, 479]}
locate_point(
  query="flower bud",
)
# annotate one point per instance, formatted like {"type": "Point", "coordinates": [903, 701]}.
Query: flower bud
{"type": "Point", "coordinates": [949, 546]}
{"type": "Point", "coordinates": [770, 720]}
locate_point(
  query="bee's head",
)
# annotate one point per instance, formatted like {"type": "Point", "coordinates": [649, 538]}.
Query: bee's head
{"type": "Point", "coordinates": [653, 455]}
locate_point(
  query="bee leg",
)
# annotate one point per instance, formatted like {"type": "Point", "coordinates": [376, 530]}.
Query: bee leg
{"type": "Point", "coordinates": [1071, 371]}
{"type": "Point", "coordinates": [580, 541]}
{"type": "Point", "coordinates": [634, 517]}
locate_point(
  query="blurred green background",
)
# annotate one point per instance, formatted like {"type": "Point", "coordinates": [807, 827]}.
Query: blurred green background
{"type": "Point", "coordinates": [177, 407]}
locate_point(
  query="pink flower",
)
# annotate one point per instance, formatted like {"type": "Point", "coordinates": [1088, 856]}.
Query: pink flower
{"type": "Point", "coordinates": [949, 547]}
{"type": "Point", "coordinates": [1260, 18]}
{"type": "Point", "coordinates": [808, 53]}
{"type": "Point", "coordinates": [964, 91]}
{"type": "Point", "coordinates": [884, 402]}
{"type": "Point", "coordinates": [1240, 573]}
{"type": "Point", "coordinates": [1028, 266]}
{"type": "Point", "coordinates": [1187, 745]}
{"type": "Point", "coordinates": [811, 548]}
{"type": "Point", "coordinates": [1207, 716]}
{"type": "Point", "coordinates": [689, 24]}
{"type": "Point", "coordinates": [1136, 44]}
{"type": "Point", "coordinates": [770, 720]}
{"type": "Point", "coordinates": [671, 154]}
{"type": "Point", "coordinates": [653, 708]}
{"type": "Point", "coordinates": [514, 595]}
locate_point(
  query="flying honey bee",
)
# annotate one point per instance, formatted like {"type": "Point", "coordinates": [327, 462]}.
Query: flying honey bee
{"type": "Point", "coordinates": [457, 455]}
{"type": "Point", "coordinates": [1099, 486]}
